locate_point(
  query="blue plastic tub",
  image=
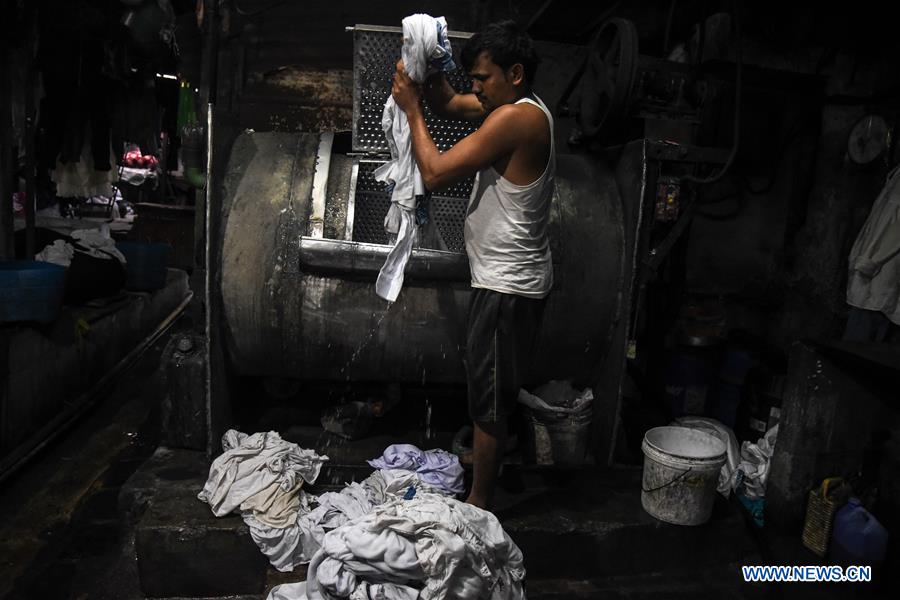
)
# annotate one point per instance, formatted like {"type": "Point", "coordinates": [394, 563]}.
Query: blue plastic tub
{"type": "Point", "coordinates": [146, 268]}
{"type": "Point", "coordinates": [31, 291]}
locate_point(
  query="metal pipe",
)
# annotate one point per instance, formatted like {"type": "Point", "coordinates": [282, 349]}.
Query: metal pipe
{"type": "Point", "coordinates": [211, 59]}
{"type": "Point", "coordinates": [7, 227]}
{"type": "Point", "coordinates": [49, 432]}
{"type": "Point", "coordinates": [30, 197]}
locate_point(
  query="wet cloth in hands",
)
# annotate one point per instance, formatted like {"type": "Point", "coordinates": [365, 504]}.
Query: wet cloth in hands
{"type": "Point", "coordinates": [252, 463]}
{"type": "Point", "coordinates": [425, 45]}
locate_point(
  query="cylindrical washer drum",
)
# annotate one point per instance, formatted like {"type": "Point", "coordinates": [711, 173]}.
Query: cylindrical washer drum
{"type": "Point", "coordinates": [681, 470]}
{"type": "Point", "coordinates": [285, 319]}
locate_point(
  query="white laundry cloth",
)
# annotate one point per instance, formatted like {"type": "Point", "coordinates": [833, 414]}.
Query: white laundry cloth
{"type": "Point", "coordinates": [404, 238]}
{"type": "Point", "coordinates": [59, 253]}
{"type": "Point", "coordinates": [288, 591]}
{"type": "Point", "coordinates": [428, 547]}
{"type": "Point", "coordinates": [80, 179]}
{"type": "Point", "coordinates": [463, 550]}
{"type": "Point", "coordinates": [288, 547]}
{"type": "Point", "coordinates": [873, 282]}
{"type": "Point", "coordinates": [425, 45]}
{"type": "Point", "coordinates": [356, 553]}
{"type": "Point", "coordinates": [97, 243]}
{"type": "Point", "coordinates": [363, 591]}
{"type": "Point", "coordinates": [252, 463]}
{"type": "Point", "coordinates": [460, 552]}
{"type": "Point", "coordinates": [753, 471]}
{"type": "Point", "coordinates": [437, 468]}
{"type": "Point", "coordinates": [279, 544]}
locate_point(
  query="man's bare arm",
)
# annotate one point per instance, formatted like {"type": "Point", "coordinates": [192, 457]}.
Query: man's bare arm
{"type": "Point", "coordinates": [496, 138]}
{"type": "Point", "coordinates": [446, 102]}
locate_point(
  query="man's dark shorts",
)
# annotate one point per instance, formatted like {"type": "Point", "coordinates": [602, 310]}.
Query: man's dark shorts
{"type": "Point", "coordinates": [501, 335]}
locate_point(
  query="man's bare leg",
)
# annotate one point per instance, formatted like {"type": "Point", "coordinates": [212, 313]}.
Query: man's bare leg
{"type": "Point", "coordinates": [488, 444]}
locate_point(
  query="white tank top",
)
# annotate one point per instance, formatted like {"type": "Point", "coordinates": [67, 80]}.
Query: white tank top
{"type": "Point", "coordinates": [506, 229]}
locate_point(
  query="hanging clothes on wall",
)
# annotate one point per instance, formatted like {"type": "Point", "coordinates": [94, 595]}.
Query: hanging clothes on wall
{"type": "Point", "coordinates": [75, 111]}
{"type": "Point", "coordinates": [874, 265]}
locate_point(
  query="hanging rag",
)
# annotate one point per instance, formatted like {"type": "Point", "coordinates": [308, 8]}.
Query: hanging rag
{"type": "Point", "coordinates": [874, 264]}
{"type": "Point", "coordinates": [426, 47]}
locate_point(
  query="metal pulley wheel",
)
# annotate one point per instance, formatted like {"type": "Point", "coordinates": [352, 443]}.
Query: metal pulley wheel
{"type": "Point", "coordinates": [608, 77]}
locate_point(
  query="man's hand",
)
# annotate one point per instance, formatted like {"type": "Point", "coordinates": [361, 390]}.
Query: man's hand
{"type": "Point", "coordinates": [405, 91]}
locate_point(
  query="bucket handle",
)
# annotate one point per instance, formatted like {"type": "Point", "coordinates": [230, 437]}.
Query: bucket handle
{"type": "Point", "coordinates": [665, 485]}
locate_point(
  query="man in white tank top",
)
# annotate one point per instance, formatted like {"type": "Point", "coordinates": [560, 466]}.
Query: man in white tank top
{"type": "Point", "coordinates": [512, 154]}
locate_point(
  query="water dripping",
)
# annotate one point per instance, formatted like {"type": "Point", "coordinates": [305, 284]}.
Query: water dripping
{"type": "Point", "coordinates": [428, 418]}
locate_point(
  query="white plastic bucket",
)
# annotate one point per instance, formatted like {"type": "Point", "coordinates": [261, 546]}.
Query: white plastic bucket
{"type": "Point", "coordinates": [681, 470]}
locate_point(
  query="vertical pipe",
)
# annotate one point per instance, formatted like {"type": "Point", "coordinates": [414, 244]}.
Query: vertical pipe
{"type": "Point", "coordinates": [30, 188]}
{"type": "Point", "coordinates": [7, 169]}
{"type": "Point", "coordinates": [211, 59]}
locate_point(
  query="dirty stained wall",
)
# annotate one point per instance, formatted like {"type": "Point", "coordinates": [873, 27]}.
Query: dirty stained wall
{"type": "Point", "coordinates": [774, 243]}
{"type": "Point", "coordinates": [289, 67]}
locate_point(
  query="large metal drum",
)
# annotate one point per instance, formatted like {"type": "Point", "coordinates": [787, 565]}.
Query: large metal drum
{"type": "Point", "coordinates": [301, 252]}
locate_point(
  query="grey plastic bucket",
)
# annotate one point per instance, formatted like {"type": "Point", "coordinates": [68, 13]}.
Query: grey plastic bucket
{"type": "Point", "coordinates": [681, 470]}
{"type": "Point", "coordinates": [558, 439]}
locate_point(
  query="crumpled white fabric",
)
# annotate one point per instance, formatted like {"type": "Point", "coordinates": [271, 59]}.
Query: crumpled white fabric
{"type": "Point", "coordinates": [437, 468]}
{"type": "Point", "coordinates": [288, 547]}
{"type": "Point", "coordinates": [424, 41]}
{"type": "Point", "coordinates": [59, 253]}
{"type": "Point", "coordinates": [400, 223]}
{"type": "Point", "coordinates": [752, 473]}
{"type": "Point", "coordinates": [274, 506]}
{"type": "Point", "coordinates": [97, 243]}
{"type": "Point", "coordinates": [724, 433]}
{"type": "Point", "coordinates": [578, 402]}
{"type": "Point", "coordinates": [455, 549]}
{"type": "Point", "coordinates": [252, 463]}
{"type": "Point", "coordinates": [80, 179]}
{"type": "Point", "coordinates": [363, 591]}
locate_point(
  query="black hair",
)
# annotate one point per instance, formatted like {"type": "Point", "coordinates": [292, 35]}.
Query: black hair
{"type": "Point", "coordinates": [506, 44]}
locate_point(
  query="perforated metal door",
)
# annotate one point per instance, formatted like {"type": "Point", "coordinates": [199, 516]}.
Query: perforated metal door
{"type": "Point", "coordinates": [372, 202]}
{"type": "Point", "coordinates": [375, 54]}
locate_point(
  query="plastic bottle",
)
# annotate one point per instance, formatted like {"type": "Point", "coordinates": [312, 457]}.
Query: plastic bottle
{"type": "Point", "coordinates": [857, 537]}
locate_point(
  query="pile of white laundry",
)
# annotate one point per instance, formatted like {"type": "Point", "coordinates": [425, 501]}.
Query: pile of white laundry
{"type": "Point", "coordinates": [398, 534]}
{"type": "Point", "coordinates": [429, 547]}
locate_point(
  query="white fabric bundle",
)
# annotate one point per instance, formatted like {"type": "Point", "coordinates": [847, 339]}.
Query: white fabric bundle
{"type": "Point", "coordinates": [251, 464]}
{"type": "Point", "coordinates": [424, 41]}
{"type": "Point", "coordinates": [449, 548]}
